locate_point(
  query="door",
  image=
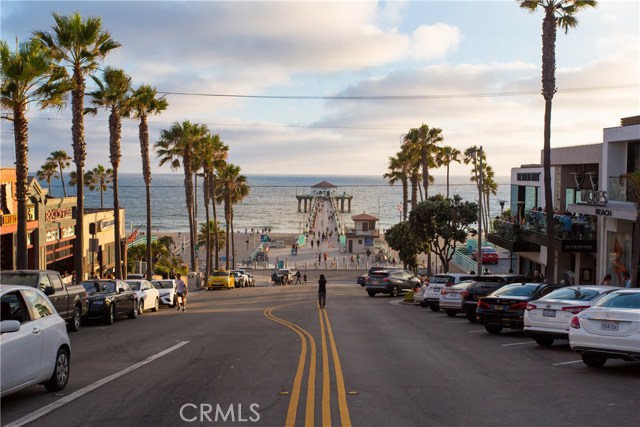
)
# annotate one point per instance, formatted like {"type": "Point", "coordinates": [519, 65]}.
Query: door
{"type": "Point", "coordinates": [60, 296]}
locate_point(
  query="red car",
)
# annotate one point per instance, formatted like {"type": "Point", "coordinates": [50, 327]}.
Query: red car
{"type": "Point", "coordinates": [489, 255]}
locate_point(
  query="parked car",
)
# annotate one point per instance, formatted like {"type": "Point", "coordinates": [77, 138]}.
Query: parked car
{"type": "Point", "coordinates": [483, 286]}
{"type": "Point", "coordinates": [418, 295]}
{"type": "Point", "coordinates": [437, 283]}
{"type": "Point", "coordinates": [35, 346]}
{"type": "Point", "coordinates": [451, 298]}
{"type": "Point", "coordinates": [362, 280]}
{"type": "Point", "coordinates": [245, 278]}
{"type": "Point", "coordinates": [251, 279]}
{"type": "Point", "coordinates": [148, 295]}
{"type": "Point", "coordinates": [166, 290]}
{"type": "Point", "coordinates": [240, 279]}
{"type": "Point", "coordinates": [288, 275]}
{"type": "Point", "coordinates": [505, 307]}
{"type": "Point", "coordinates": [221, 279]}
{"type": "Point", "coordinates": [489, 255]}
{"type": "Point", "coordinates": [391, 282]}
{"type": "Point", "coordinates": [548, 318]}
{"type": "Point", "coordinates": [135, 276]}
{"type": "Point", "coordinates": [610, 329]}
{"type": "Point", "coordinates": [109, 299]}
{"type": "Point", "coordinates": [70, 301]}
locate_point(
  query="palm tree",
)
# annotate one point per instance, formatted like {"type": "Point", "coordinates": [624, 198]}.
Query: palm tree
{"type": "Point", "coordinates": [233, 189]}
{"type": "Point", "coordinates": [47, 171]}
{"type": "Point", "coordinates": [27, 75]}
{"type": "Point", "coordinates": [97, 179]}
{"type": "Point", "coordinates": [144, 101]}
{"type": "Point", "coordinates": [397, 173]}
{"type": "Point", "coordinates": [557, 13]}
{"type": "Point", "coordinates": [178, 145]}
{"type": "Point", "coordinates": [113, 95]}
{"type": "Point", "coordinates": [81, 45]}
{"type": "Point", "coordinates": [425, 140]}
{"type": "Point", "coordinates": [208, 236]}
{"type": "Point", "coordinates": [445, 156]}
{"type": "Point", "coordinates": [633, 191]}
{"type": "Point", "coordinates": [489, 185]}
{"type": "Point", "coordinates": [63, 161]}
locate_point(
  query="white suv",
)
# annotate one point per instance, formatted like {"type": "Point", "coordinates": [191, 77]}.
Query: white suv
{"type": "Point", "coordinates": [437, 282]}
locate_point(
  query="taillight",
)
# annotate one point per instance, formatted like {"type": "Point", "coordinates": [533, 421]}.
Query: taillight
{"type": "Point", "coordinates": [386, 279]}
{"type": "Point", "coordinates": [575, 322]}
{"type": "Point", "coordinates": [442, 292]}
{"type": "Point", "coordinates": [531, 307]}
{"type": "Point", "coordinates": [482, 304]}
{"type": "Point", "coordinates": [518, 306]}
{"type": "Point", "coordinates": [465, 294]}
{"type": "Point", "coordinates": [576, 309]}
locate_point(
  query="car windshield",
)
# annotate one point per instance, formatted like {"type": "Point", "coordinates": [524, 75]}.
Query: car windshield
{"type": "Point", "coordinates": [621, 299]}
{"type": "Point", "coordinates": [440, 279]}
{"type": "Point", "coordinates": [517, 290]}
{"type": "Point", "coordinates": [164, 284]}
{"type": "Point", "coordinates": [92, 287]}
{"type": "Point", "coordinates": [18, 278]}
{"type": "Point", "coordinates": [463, 285]}
{"type": "Point", "coordinates": [575, 294]}
{"type": "Point", "coordinates": [134, 285]}
{"type": "Point", "coordinates": [221, 273]}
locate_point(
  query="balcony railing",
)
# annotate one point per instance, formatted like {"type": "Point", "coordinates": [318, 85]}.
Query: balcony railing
{"type": "Point", "coordinates": [582, 227]}
{"type": "Point", "coordinates": [355, 232]}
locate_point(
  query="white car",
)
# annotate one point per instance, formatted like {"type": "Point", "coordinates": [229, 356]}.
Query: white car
{"type": "Point", "coordinates": [167, 291]}
{"type": "Point", "coordinates": [608, 330]}
{"type": "Point", "coordinates": [437, 283]}
{"type": "Point", "coordinates": [35, 346]}
{"type": "Point", "coordinates": [451, 300]}
{"type": "Point", "coordinates": [548, 318]}
{"type": "Point", "coordinates": [148, 295]}
{"type": "Point", "coordinates": [418, 296]}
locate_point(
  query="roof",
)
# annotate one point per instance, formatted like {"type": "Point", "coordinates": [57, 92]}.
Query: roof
{"type": "Point", "coordinates": [324, 184]}
{"type": "Point", "coordinates": [364, 217]}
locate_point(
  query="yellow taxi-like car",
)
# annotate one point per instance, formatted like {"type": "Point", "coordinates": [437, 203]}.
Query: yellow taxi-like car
{"type": "Point", "coordinates": [221, 279]}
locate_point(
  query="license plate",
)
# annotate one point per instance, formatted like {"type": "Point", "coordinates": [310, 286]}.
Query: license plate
{"type": "Point", "coordinates": [497, 307]}
{"type": "Point", "coordinates": [609, 325]}
{"type": "Point", "coordinates": [548, 313]}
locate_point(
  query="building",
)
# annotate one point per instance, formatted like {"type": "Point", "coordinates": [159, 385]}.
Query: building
{"type": "Point", "coordinates": [363, 235]}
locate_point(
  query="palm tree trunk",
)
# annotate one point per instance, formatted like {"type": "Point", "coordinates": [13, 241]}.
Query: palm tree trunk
{"type": "Point", "coordinates": [414, 190]}
{"type": "Point", "coordinates": [425, 171]}
{"type": "Point", "coordinates": [22, 171]}
{"type": "Point", "coordinates": [143, 135]}
{"type": "Point", "coordinates": [205, 185]}
{"type": "Point", "coordinates": [79, 154]}
{"type": "Point", "coordinates": [114, 153]}
{"type": "Point", "coordinates": [101, 196]}
{"type": "Point", "coordinates": [227, 217]}
{"type": "Point", "coordinates": [447, 180]}
{"type": "Point", "coordinates": [215, 220]}
{"type": "Point", "coordinates": [188, 188]}
{"type": "Point", "coordinates": [405, 198]}
{"type": "Point", "coordinates": [64, 189]}
{"type": "Point", "coordinates": [233, 241]}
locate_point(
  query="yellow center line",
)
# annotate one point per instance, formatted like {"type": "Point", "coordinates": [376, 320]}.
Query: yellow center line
{"type": "Point", "coordinates": [345, 419]}
{"type": "Point", "coordinates": [326, 386]}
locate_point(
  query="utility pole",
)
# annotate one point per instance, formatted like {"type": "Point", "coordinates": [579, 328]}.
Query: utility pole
{"type": "Point", "coordinates": [479, 256]}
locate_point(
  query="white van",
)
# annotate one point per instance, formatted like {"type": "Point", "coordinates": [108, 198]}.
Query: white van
{"type": "Point", "coordinates": [439, 281]}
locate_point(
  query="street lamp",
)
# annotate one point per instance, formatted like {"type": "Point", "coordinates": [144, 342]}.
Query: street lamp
{"type": "Point", "coordinates": [477, 155]}
{"type": "Point", "coordinates": [502, 202]}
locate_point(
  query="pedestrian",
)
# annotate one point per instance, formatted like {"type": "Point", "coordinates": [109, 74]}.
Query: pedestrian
{"type": "Point", "coordinates": [626, 279]}
{"type": "Point", "coordinates": [298, 275]}
{"type": "Point", "coordinates": [537, 277]}
{"type": "Point", "coordinates": [322, 291]}
{"type": "Point", "coordinates": [181, 292]}
{"type": "Point", "coordinates": [606, 280]}
{"type": "Point", "coordinates": [311, 243]}
{"type": "Point", "coordinates": [318, 244]}
{"type": "Point", "coordinates": [304, 279]}
{"type": "Point", "coordinates": [325, 257]}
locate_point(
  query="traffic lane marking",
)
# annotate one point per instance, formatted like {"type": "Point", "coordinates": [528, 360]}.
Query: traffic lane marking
{"type": "Point", "coordinates": [567, 363]}
{"type": "Point", "coordinates": [519, 343]}
{"type": "Point", "coordinates": [79, 393]}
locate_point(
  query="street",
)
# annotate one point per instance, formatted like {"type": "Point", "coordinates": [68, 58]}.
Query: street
{"type": "Point", "coordinates": [243, 357]}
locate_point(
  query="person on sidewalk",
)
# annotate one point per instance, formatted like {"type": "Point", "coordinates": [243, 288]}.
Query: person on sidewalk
{"type": "Point", "coordinates": [181, 292]}
{"type": "Point", "coordinates": [298, 277]}
{"type": "Point", "coordinates": [322, 291]}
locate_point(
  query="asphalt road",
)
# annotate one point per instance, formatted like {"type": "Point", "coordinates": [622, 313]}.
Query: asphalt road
{"type": "Point", "coordinates": [244, 356]}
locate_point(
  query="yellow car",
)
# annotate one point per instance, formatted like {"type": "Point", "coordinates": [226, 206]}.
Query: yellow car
{"type": "Point", "coordinates": [221, 279]}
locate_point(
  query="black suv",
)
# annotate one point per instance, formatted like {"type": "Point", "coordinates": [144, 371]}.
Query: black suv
{"type": "Point", "coordinates": [483, 286]}
{"type": "Point", "coordinates": [362, 280]}
{"type": "Point", "coordinates": [391, 282]}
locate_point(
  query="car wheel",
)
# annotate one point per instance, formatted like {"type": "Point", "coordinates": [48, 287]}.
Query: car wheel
{"type": "Point", "coordinates": [471, 317]}
{"type": "Point", "coordinates": [140, 307]}
{"type": "Point", "coordinates": [60, 376]}
{"type": "Point", "coordinates": [157, 306]}
{"type": "Point", "coordinates": [395, 291]}
{"type": "Point", "coordinates": [135, 310]}
{"type": "Point", "coordinates": [424, 304]}
{"type": "Point", "coordinates": [371, 294]}
{"type": "Point", "coordinates": [110, 316]}
{"type": "Point", "coordinates": [492, 329]}
{"type": "Point", "coordinates": [451, 313]}
{"type": "Point", "coordinates": [74, 325]}
{"type": "Point", "coordinates": [593, 360]}
{"type": "Point", "coordinates": [434, 306]}
{"type": "Point", "coordinates": [544, 341]}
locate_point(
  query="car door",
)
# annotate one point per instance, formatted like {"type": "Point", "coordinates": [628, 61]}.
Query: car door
{"type": "Point", "coordinates": [21, 350]}
{"type": "Point", "coordinates": [61, 297]}
{"type": "Point", "coordinates": [54, 295]}
{"type": "Point", "coordinates": [124, 297]}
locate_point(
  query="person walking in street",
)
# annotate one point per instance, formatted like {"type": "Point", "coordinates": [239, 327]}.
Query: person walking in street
{"type": "Point", "coordinates": [322, 291]}
{"type": "Point", "coordinates": [298, 275]}
{"type": "Point", "coordinates": [626, 279]}
{"type": "Point", "coordinates": [304, 279]}
{"type": "Point", "coordinates": [181, 292]}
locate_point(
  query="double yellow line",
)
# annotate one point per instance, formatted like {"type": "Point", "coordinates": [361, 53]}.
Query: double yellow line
{"type": "Point", "coordinates": [325, 330]}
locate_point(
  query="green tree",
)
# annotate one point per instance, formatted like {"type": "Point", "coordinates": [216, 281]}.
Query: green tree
{"type": "Point", "coordinates": [411, 155]}
{"type": "Point", "coordinates": [47, 172]}
{"type": "Point", "coordinates": [145, 101]}
{"type": "Point", "coordinates": [557, 13]}
{"type": "Point", "coordinates": [113, 96]}
{"type": "Point", "coordinates": [63, 161]}
{"type": "Point", "coordinates": [445, 156]}
{"type": "Point", "coordinates": [402, 239]}
{"type": "Point", "coordinates": [28, 75]}
{"type": "Point", "coordinates": [213, 233]}
{"type": "Point", "coordinates": [439, 223]}
{"type": "Point", "coordinates": [233, 189]}
{"type": "Point", "coordinates": [177, 146]}
{"type": "Point", "coordinates": [80, 45]}
{"type": "Point", "coordinates": [97, 179]}
{"type": "Point", "coordinates": [397, 172]}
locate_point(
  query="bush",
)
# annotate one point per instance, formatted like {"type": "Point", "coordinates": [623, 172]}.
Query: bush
{"type": "Point", "coordinates": [408, 297]}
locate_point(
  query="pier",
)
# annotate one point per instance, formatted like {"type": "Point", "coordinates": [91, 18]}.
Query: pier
{"type": "Point", "coordinates": [327, 190]}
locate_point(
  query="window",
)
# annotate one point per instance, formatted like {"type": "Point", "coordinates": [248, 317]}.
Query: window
{"type": "Point", "coordinates": [40, 306]}
{"type": "Point", "coordinates": [56, 282]}
{"type": "Point", "coordinates": [12, 307]}
{"type": "Point", "coordinates": [45, 283]}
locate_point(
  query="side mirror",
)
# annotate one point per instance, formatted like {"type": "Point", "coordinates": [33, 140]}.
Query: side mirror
{"type": "Point", "coordinates": [9, 326]}
{"type": "Point", "coordinates": [48, 291]}
{"type": "Point", "coordinates": [120, 290]}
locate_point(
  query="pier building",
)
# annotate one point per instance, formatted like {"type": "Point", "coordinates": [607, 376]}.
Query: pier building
{"type": "Point", "coordinates": [324, 189]}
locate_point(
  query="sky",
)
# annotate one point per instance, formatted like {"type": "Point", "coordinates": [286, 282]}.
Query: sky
{"type": "Point", "coordinates": [324, 86]}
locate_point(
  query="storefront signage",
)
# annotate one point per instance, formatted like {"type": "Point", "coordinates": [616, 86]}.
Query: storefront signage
{"type": "Point", "coordinates": [58, 214]}
{"type": "Point", "coordinates": [578, 246]}
{"type": "Point", "coordinates": [594, 197]}
{"type": "Point", "coordinates": [604, 212]}
{"type": "Point", "coordinates": [68, 231]}
{"type": "Point", "coordinates": [9, 219]}
{"type": "Point", "coordinates": [106, 224]}
{"type": "Point", "coordinates": [53, 235]}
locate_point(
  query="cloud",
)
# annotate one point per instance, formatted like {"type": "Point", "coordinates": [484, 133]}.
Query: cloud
{"type": "Point", "coordinates": [434, 41]}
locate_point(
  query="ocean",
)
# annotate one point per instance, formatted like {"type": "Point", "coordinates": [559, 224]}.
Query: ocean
{"type": "Point", "coordinates": [272, 200]}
